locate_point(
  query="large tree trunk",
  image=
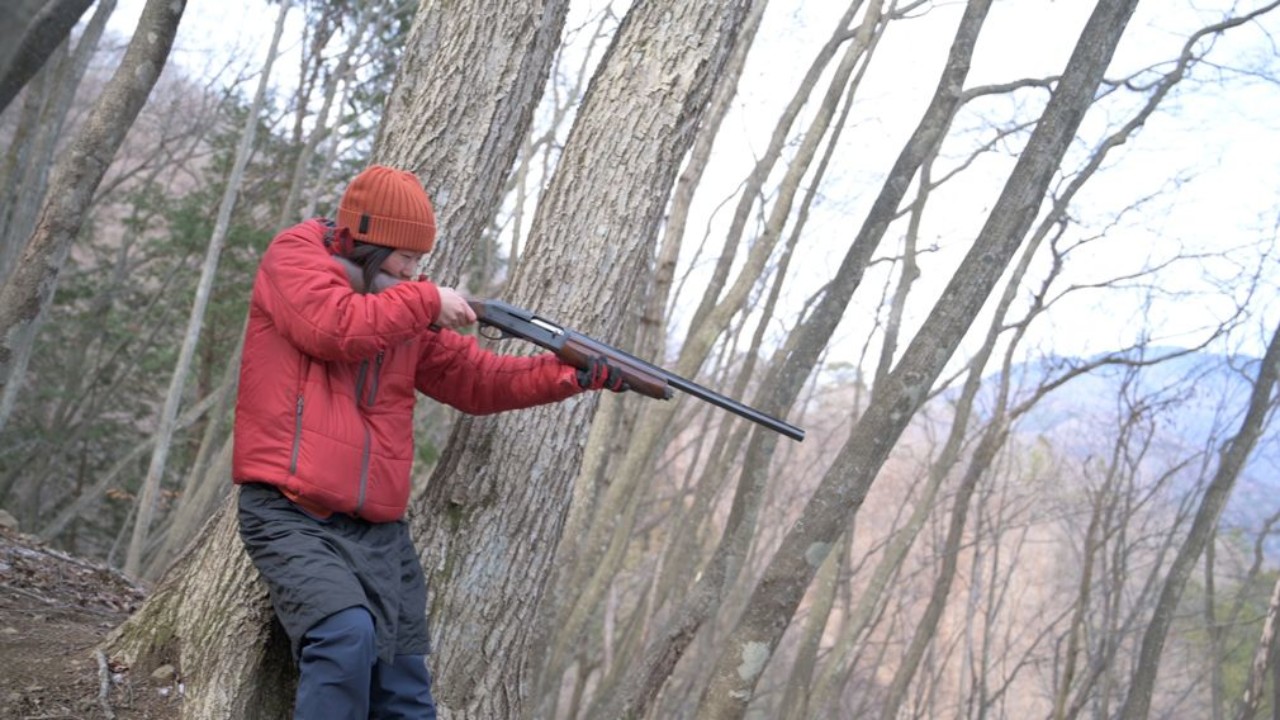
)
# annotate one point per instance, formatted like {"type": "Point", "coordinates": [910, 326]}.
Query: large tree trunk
{"type": "Point", "coordinates": [651, 341]}
{"type": "Point", "coordinates": [495, 508]}
{"type": "Point", "coordinates": [29, 289]}
{"type": "Point", "coordinates": [605, 544]}
{"type": "Point", "coordinates": [615, 205]}
{"type": "Point", "coordinates": [462, 104]}
{"type": "Point", "coordinates": [213, 623]}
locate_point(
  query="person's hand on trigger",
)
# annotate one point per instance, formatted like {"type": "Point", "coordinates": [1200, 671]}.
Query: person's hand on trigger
{"type": "Point", "coordinates": [455, 311]}
{"type": "Point", "coordinates": [600, 375]}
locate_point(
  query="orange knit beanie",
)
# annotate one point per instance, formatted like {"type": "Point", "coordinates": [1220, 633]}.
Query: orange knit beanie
{"type": "Point", "coordinates": [385, 206]}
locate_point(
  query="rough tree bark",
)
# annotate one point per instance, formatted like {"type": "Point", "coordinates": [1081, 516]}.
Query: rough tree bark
{"type": "Point", "coordinates": [605, 543]}
{"type": "Point", "coordinates": [29, 289]}
{"type": "Point", "coordinates": [463, 100]}
{"type": "Point", "coordinates": [802, 350]}
{"type": "Point", "coordinates": [495, 507]}
{"type": "Point", "coordinates": [651, 341]}
{"type": "Point", "coordinates": [212, 621]}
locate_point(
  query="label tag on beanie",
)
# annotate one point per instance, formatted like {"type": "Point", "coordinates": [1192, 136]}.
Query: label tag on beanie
{"type": "Point", "coordinates": [364, 223]}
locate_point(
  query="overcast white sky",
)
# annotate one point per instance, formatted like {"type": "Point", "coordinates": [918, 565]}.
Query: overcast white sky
{"type": "Point", "coordinates": [1220, 139]}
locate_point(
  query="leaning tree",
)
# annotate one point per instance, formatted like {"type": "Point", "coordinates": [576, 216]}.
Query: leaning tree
{"type": "Point", "coordinates": [28, 290]}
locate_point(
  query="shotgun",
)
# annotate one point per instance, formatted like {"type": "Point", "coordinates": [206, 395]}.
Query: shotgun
{"type": "Point", "coordinates": [577, 350]}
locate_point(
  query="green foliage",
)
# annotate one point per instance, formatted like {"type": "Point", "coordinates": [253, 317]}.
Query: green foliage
{"type": "Point", "coordinates": [1239, 610]}
{"type": "Point", "coordinates": [105, 355]}
{"type": "Point", "coordinates": [103, 360]}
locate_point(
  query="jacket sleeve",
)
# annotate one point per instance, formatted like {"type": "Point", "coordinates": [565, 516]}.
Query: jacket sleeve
{"type": "Point", "coordinates": [310, 301]}
{"type": "Point", "coordinates": [455, 370]}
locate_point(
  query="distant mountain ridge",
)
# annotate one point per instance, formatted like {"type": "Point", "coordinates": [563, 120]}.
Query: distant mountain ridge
{"type": "Point", "coordinates": [1187, 404]}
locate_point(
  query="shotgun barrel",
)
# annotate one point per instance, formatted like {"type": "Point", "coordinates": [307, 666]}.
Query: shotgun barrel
{"type": "Point", "coordinates": [641, 376]}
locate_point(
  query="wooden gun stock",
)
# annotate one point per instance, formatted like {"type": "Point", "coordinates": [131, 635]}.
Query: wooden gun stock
{"type": "Point", "coordinates": [578, 351]}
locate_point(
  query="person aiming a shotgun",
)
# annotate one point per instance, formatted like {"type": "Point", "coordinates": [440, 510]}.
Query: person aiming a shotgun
{"type": "Point", "coordinates": [342, 336]}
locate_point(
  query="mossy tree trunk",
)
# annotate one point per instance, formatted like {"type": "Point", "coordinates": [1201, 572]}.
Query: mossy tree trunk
{"type": "Point", "coordinates": [210, 619]}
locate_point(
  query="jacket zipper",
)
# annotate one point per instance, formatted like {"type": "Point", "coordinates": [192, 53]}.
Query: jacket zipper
{"type": "Point", "coordinates": [360, 376]}
{"type": "Point", "coordinates": [297, 436]}
{"type": "Point", "coordinates": [297, 416]}
{"type": "Point", "coordinates": [368, 438]}
{"type": "Point", "coordinates": [377, 375]}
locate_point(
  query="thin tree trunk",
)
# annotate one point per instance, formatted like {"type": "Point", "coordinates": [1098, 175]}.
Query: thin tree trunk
{"type": "Point", "coordinates": [845, 485]}
{"type": "Point", "coordinates": [200, 493]}
{"type": "Point", "coordinates": [899, 545]}
{"type": "Point", "coordinates": [195, 501]}
{"type": "Point", "coordinates": [802, 349]}
{"type": "Point", "coordinates": [28, 291]}
{"type": "Point", "coordinates": [17, 159]}
{"type": "Point", "coordinates": [49, 28]}
{"type": "Point", "coordinates": [777, 143]}
{"type": "Point", "coordinates": [1231, 460]}
{"type": "Point", "coordinates": [1215, 631]}
{"type": "Point", "coordinates": [342, 74]}
{"type": "Point", "coordinates": [26, 172]}
{"type": "Point", "coordinates": [795, 699]}
{"type": "Point", "coordinates": [207, 493]}
{"type": "Point", "coordinates": [923, 636]}
{"type": "Point", "coordinates": [164, 431]}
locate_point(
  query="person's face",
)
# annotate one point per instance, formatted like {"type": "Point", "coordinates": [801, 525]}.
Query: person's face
{"type": "Point", "coordinates": [402, 264]}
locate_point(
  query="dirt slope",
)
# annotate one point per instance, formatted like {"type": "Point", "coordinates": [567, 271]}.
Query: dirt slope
{"type": "Point", "coordinates": [54, 610]}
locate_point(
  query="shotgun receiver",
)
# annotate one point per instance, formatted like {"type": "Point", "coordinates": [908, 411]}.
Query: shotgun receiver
{"type": "Point", "coordinates": [642, 377]}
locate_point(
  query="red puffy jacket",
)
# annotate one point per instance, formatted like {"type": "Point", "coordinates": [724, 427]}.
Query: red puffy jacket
{"type": "Point", "coordinates": [326, 397]}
